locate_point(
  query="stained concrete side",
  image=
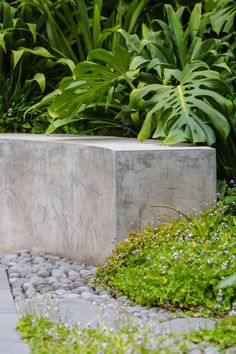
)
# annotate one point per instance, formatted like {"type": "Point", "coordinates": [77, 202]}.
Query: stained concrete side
{"type": "Point", "coordinates": [58, 198]}
{"type": "Point", "coordinates": [182, 179]}
{"type": "Point", "coordinates": [77, 196]}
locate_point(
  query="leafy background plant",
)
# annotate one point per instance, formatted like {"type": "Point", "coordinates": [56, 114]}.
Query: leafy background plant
{"type": "Point", "coordinates": [177, 82]}
{"type": "Point", "coordinates": [27, 70]}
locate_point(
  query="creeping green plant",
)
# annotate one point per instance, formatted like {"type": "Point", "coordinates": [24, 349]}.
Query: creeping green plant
{"type": "Point", "coordinates": [177, 265]}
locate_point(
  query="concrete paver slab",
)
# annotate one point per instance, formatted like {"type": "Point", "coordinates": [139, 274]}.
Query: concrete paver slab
{"type": "Point", "coordinates": [6, 302]}
{"type": "Point", "coordinates": [14, 348]}
{"type": "Point", "coordinates": [87, 313]}
{"type": "Point", "coordinates": [10, 341]}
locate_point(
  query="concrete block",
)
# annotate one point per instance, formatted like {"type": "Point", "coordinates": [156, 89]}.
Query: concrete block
{"type": "Point", "coordinates": [77, 196]}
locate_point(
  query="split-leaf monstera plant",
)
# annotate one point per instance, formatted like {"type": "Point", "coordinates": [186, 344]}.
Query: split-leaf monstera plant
{"type": "Point", "coordinates": [174, 83]}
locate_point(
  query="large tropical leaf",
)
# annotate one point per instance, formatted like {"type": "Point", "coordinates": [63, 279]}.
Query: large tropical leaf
{"type": "Point", "coordinates": [222, 14]}
{"type": "Point", "coordinates": [189, 111]}
{"type": "Point", "coordinates": [93, 83]}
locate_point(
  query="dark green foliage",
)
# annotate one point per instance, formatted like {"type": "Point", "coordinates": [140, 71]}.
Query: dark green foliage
{"type": "Point", "coordinates": [174, 82]}
{"type": "Point", "coordinates": [177, 82]}
{"type": "Point", "coordinates": [27, 70]}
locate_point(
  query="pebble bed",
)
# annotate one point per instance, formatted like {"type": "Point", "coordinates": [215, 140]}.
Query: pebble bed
{"type": "Point", "coordinates": [35, 274]}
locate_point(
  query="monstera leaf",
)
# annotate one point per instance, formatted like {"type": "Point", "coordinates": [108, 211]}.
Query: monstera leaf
{"type": "Point", "coordinates": [222, 14]}
{"type": "Point", "coordinates": [93, 84]}
{"type": "Point", "coordinates": [190, 111]}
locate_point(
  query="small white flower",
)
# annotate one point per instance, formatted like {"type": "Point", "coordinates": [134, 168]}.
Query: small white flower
{"type": "Point", "coordinates": [217, 307]}
{"type": "Point", "coordinates": [175, 255]}
{"type": "Point", "coordinates": [224, 265]}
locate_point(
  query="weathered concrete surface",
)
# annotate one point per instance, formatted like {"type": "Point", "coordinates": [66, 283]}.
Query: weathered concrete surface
{"type": "Point", "coordinates": [76, 196]}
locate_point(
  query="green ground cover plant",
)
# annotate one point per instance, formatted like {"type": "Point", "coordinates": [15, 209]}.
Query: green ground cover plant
{"type": "Point", "coordinates": [45, 336]}
{"type": "Point", "coordinates": [178, 264]}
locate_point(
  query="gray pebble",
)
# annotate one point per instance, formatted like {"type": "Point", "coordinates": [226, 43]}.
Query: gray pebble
{"type": "Point", "coordinates": [85, 274]}
{"type": "Point", "coordinates": [30, 292]}
{"type": "Point", "coordinates": [55, 286]}
{"type": "Point", "coordinates": [16, 282]}
{"type": "Point", "coordinates": [14, 274]}
{"type": "Point", "coordinates": [26, 286]}
{"type": "Point", "coordinates": [205, 344]}
{"type": "Point", "coordinates": [211, 350]}
{"type": "Point", "coordinates": [17, 292]}
{"type": "Point", "coordinates": [38, 260]}
{"type": "Point", "coordinates": [122, 298]}
{"type": "Point", "coordinates": [77, 284]}
{"type": "Point", "coordinates": [195, 351]}
{"type": "Point", "coordinates": [73, 275]}
{"type": "Point", "coordinates": [44, 289]}
{"type": "Point", "coordinates": [35, 280]}
{"type": "Point", "coordinates": [85, 288]}
{"type": "Point", "coordinates": [230, 351]}
{"type": "Point", "coordinates": [43, 273]}
{"type": "Point", "coordinates": [19, 298]}
{"type": "Point", "coordinates": [76, 267]}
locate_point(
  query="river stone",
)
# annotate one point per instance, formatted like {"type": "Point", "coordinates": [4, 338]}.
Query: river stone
{"type": "Point", "coordinates": [16, 282]}
{"type": "Point", "coordinates": [76, 267]}
{"type": "Point", "coordinates": [230, 351]}
{"type": "Point", "coordinates": [14, 274]}
{"type": "Point", "coordinates": [195, 351]}
{"type": "Point", "coordinates": [35, 280]}
{"type": "Point", "coordinates": [73, 275]}
{"type": "Point", "coordinates": [19, 298]}
{"type": "Point", "coordinates": [30, 292]}
{"type": "Point", "coordinates": [43, 273]}
{"type": "Point", "coordinates": [211, 350]}
{"type": "Point", "coordinates": [24, 270]}
{"type": "Point", "coordinates": [55, 286]}
{"type": "Point", "coordinates": [43, 289]}
{"type": "Point", "coordinates": [85, 274]}
{"type": "Point", "coordinates": [17, 292]}
{"type": "Point", "coordinates": [38, 260]}
{"type": "Point", "coordinates": [26, 286]}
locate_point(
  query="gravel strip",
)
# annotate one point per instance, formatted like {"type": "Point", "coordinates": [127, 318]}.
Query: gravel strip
{"type": "Point", "coordinates": [35, 276]}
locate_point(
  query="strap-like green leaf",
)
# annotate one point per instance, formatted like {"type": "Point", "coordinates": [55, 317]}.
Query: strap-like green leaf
{"type": "Point", "coordinates": [32, 28]}
{"type": "Point", "coordinates": [17, 54]}
{"type": "Point", "coordinates": [2, 41]}
{"type": "Point", "coordinates": [194, 22]}
{"type": "Point", "coordinates": [40, 79]}
{"type": "Point", "coordinates": [177, 33]}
